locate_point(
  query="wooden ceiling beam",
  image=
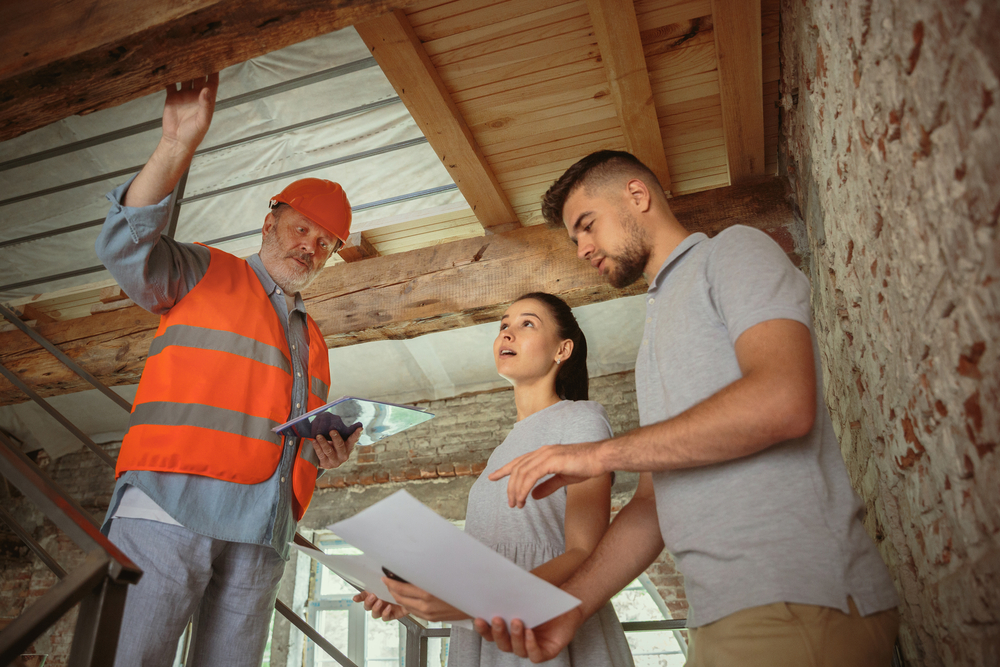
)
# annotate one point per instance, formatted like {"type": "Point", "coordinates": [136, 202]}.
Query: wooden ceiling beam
{"type": "Point", "coordinates": [738, 52]}
{"type": "Point", "coordinates": [618, 39]}
{"type": "Point", "coordinates": [405, 62]}
{"type": "Point", "coordinates": [399, 296]}
{"type": "Point", "coordinates": [62, 58]}
{"type": "Point", "coordinates": [357, 248]}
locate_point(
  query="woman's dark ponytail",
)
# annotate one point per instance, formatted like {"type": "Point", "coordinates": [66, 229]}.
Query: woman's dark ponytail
{"type": "Point", "coordinates": [572, 380]}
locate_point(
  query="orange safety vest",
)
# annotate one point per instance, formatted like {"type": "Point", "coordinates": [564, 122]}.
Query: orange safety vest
{"type": "Point", "coordinates": [217, 380]}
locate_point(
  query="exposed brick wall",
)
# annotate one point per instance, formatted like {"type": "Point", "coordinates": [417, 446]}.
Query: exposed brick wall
{"type": "Point", "coordinates": [891, 137]}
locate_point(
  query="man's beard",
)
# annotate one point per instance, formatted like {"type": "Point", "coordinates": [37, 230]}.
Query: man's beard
{"type": "Point", "coordinates": [288, 279]}
{"type": "Point", "coordinates": [631, 261]}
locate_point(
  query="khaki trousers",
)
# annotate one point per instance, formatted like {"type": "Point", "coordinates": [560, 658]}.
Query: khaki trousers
{"type": "Point", "coordinates": [795, 635]}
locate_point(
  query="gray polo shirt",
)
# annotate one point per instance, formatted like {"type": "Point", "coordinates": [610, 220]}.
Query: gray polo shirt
{"type": "Point", "coordinates": [782, 525]}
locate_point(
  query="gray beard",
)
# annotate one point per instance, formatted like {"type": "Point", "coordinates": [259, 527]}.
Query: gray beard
{"type": "Point", "coordinates": [287, 279]}
{"type": "Point", "coordinates": [632, 261]}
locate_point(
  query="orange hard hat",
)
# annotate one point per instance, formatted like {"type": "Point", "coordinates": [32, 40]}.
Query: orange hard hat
{"type": "Point", "coordinates": [323, 202]}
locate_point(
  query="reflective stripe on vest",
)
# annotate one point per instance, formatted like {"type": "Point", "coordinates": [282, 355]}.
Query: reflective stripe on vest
{"type": "Point", "coordinates": [218, 378]}
{"type": "Point", "coordinates": [186, 335]}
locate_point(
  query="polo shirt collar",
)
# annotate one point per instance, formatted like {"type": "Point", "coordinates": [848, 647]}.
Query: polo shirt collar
{"type": "Point", "coordinates": [690, 241]}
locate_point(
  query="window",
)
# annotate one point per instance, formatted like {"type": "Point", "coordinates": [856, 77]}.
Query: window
{"type": "Point", "coordinates": [640, 601]}
{"type": "Point", "coordinates": [368, 642]}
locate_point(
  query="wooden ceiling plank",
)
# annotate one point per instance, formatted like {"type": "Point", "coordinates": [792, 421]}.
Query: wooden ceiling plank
{"type": "Point", "coordinates": [738, 46]}
{"type": "Point", "coordinates": [398, 232]}
{"type": "Point", "coordinates": [621, 49]}
{"type": "Point", "coordinates": [550, 76]}
{"type": "Point", "coordinates": [519, 59]}
{"type": "Point", "coordinates": [611, 140]}
{"type": "Point", "coordinates": [525, 145]}
{"type": "Point", "coordinates": [676, 37]}
{"type": "Point", "coordinates": [656, 14]}
{"type": "Point", "coordinates": [550, 34]}
{"type": "Point", "coordinates": [589, 87]}
{"type": "Point", "coordinates": [703, 183]}
{"type": "Point", "coordinates": [104, 56]}
{"type": "Point", "coordinates": [682, 63]}
{"type": "Point", "coordinates": [466, 15]}
{"type": "Point", "coordinates": [391, 297]}
{"type": "Point", "coordinates": [405, 63]}
{"type": "Point", "coordinates": [702, 107]}
{"type": "Point", "coordinates": [528, 19]}
{"type": "Point", "coordinates": [694, 91]}
{"type": "Point", "coordinates": [542, 122]}
{"type": "Point", "coordinates": [714, 140]}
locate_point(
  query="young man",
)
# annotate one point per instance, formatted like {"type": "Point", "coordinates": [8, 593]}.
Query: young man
{"type": "Point", "coordinates": [741, 475]}
{"type": "Point", "coordinates": [207, 496]}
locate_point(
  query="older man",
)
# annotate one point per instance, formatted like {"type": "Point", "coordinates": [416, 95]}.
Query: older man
{"type": "Point", "coordinates": [207, 496]}
{"type": "Point", "coordinates": [741, 475]}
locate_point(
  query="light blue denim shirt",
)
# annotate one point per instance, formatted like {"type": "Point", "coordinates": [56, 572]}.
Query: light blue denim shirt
{"type": "Point", "coordinates": [156, 272]}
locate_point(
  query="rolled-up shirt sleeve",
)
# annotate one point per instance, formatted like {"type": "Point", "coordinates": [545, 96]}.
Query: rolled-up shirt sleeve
{"type": "Point", "coordinates": [154, 270]}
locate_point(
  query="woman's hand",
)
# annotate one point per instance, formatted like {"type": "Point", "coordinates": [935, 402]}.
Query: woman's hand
{"type": "Point", "coordinates": [421, 603]}
{"type": "Point", "coordinates": [380, 608]}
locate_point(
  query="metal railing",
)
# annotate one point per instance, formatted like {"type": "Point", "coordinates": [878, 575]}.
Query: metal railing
{"type": "Point", "coordinates": [99, 584]}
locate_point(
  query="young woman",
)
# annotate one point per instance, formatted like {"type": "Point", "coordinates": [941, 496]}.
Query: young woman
{"type": "Point", "coordinates": [541, 350]}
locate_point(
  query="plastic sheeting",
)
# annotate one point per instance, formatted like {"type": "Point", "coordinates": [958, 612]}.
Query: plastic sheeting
{"type": "Point", "coordinates": [368, 180]}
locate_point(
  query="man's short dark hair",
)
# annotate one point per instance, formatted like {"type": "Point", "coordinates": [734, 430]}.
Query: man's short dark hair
{"type": "Point", "coordinates": [595, 169]}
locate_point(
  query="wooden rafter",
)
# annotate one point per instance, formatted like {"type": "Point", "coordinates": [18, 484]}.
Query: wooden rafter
{"type": "Point", "coordinates": [405, 62]}
{"type": "Point", "coordinates": [738, 52]}
{"type": "Point", "coordinates": [617, 32]}
{"type": "Point", "coordinates": [62, 58]}
{"type": "Point", "coordinates": [393, 297]}
{"type": "Point", "coordinates": [356, 248]}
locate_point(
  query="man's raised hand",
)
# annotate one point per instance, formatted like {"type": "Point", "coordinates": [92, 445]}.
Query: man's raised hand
{"type": "Point", "coordinates": [188, 112]}
{"type": "Point", "coordinates": [568, 464]}
{"type": "Point", "coordinates": [186, 117]}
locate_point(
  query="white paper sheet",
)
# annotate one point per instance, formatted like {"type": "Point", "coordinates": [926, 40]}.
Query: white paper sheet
{"type": "Point", "coordinates": [357, 569]}
{"type": "Point", "coordinates": [363, 572]}
{"type": "Point", "coordinates": [411, 540]}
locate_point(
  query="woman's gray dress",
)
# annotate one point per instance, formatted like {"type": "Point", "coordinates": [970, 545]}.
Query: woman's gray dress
{"type": "Point", "coordinates": [535, 534]}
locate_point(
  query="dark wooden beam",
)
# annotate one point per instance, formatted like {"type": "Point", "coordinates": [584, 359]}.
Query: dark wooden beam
{"type": "Point", "coordinates": [397, 296]}
{"type": "Point", "coordinates": [357, 248]}
{"type": "Point", "coordinates": [62, 58]}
